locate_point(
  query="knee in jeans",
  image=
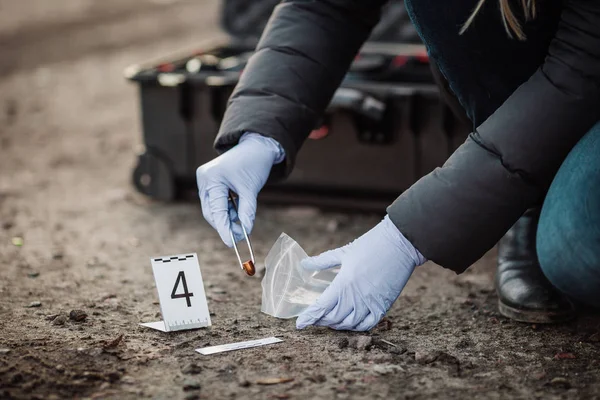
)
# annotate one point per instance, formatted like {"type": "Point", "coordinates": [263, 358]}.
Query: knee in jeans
{"type": "Point", "coordinates": [570, 259]}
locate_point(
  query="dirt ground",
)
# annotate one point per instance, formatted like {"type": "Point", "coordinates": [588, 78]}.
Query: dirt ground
{"type": "Point", "coordinates": [69, 132]}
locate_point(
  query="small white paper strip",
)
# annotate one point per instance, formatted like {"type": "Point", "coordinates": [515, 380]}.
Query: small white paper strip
{"type": "Point", "coordinates": [238, 346]}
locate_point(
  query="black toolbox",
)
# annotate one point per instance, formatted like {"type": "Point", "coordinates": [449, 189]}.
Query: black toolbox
{"type": "Point", "coordinates": [387, 117]}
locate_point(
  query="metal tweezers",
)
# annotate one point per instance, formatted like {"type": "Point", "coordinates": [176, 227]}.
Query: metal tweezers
{"type": "Point", "coordinates": [232, 198]}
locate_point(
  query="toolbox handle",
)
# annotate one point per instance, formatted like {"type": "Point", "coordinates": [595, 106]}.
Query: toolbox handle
{"type": "Point", "coordinates": [358, 102]}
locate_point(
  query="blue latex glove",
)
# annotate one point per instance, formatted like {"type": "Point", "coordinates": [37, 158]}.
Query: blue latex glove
{"type": "Point", "coordinates": [244, 169]}
{"type": "Point", "coordinates": [374, 270]}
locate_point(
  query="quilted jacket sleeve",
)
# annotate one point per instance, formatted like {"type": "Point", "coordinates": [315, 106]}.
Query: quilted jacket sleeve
{"type": "Point", "coordinates": [301, 59]}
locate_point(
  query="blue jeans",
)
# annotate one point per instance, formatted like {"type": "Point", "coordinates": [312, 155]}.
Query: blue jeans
{"type": "Point", "coordinates": [568, 236]}
{"type": "Point", "coordinates": [482, 68]}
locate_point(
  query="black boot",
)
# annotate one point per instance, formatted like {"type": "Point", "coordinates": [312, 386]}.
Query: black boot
{"type": "Point", "coordinates": [524, 292]}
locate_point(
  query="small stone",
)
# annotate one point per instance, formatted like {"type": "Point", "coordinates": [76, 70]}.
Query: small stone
{"type": "Point", "coordinates": [384, 369]}
{"type": "Point", "coordinates": [398, 350]}
{"type": "Point", "coordinates": [192, 396]}
{"type": "Point", "coordinates": [191, 369]}
{"type": "Point", "coordinates": [342, 343]}
{"type": "Point", "coordinates": [60, 368]}
{"type": "Point", "coordinates": [561, 382]}
{"type": "Point", "coordinates": [60, 319]}
{"type": "Point", "coordinates": [244, 383]}
{"type": "Point", "coordinates": [57, 256]}
{"type": "Point", "coordinates": [34, 304]}
{"type": "Point", "coordinates": [78, 315]}
{"type": "Point", "coordinates": [317, 378]}
{"type": "Point", "coordinates": [33, 274]}
{"type": "Point", "coordinates": [4, 351]}
{"type": "Point", "coordinates": [361, 342]}
{"type": "Point", "coordinates": [425, 357]}
{"type": "Point", "coordinates": [464, 343]}
{"type": "Point", "coordinates": [189, 385]}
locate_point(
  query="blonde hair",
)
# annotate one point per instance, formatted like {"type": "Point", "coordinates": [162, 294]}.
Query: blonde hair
{"type": "Point", "coordinates": [511, 23]}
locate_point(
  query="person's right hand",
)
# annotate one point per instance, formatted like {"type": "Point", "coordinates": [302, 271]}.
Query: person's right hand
{"type": "Point", "coordinates": [244, 169]}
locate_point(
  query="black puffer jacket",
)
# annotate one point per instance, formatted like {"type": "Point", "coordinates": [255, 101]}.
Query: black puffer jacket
{"type": "Point", "coordinates": [459, 211]}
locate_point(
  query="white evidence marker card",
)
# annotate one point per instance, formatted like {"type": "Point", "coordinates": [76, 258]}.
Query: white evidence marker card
{"type": "Point", "coordinates": [238, 346]}
{"type": "Point", "coordinates": [180, 293]}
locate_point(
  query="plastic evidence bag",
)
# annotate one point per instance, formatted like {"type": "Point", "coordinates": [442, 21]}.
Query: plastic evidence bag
{"type": "Point", "coordinates": [287, 288]}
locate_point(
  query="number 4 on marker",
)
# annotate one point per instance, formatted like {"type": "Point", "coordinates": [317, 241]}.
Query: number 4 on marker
{"type": "Point", "coordinates": [186, 294]}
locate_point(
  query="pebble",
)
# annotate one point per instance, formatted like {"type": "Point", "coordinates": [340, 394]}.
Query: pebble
{"type": "Point", "coordinates": [317, 378]}
{"type": "Point", "coordinates": [384, 369]}
{"type": "Point", "coordinates": [33, 274]}
{"type": "Point", "coordinates": [560, 382]}
{"type": "Point", "coordinates": [361, 342]}
{"type": "Point", "coordinates": [128, 380]}
{"type": "Point", "coordinates": [78, 315]}
{"type": "Point", "coordinates": [34, 304]}
{"type": "Point", "coordinates": [4, 351]}
{"type": "Point", "coordinates": [60, 319]}
{"type": "Point", "coordinates": [464, 343]}
{"type": "Point", "coordinates": [189, 384]}
{"type": "Point", "coordinates": [423, 357]}
{"type": "Point", "coordinates": [243, 382]}
{"type": "Point", "coordinates": [343, 343]}
{"type": "Point", "coordinates": [192, 396]}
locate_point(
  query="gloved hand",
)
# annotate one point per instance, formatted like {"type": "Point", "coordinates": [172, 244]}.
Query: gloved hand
{"type": "Point", "coordinates": [243, 169]}
{"type": "Point", "coordinates": [374, 269]}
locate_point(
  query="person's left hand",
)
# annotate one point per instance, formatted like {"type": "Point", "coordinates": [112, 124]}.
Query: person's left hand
{"type": "Point", "coordinates": [374, 269]}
